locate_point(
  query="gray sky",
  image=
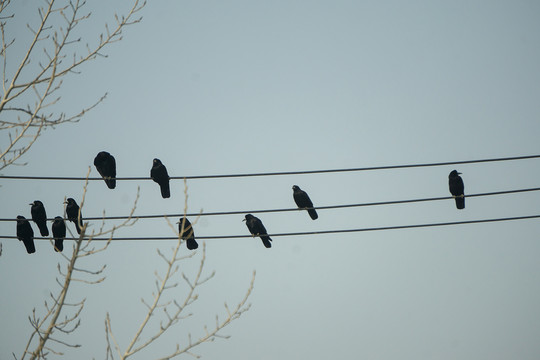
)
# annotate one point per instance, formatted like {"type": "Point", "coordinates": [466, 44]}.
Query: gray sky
{"type": "Point", "coordinates": [213, 87]}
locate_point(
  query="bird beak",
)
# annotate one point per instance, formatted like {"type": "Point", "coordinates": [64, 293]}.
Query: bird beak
{"type": "Point", "coordinates": [459, 173]}
{"type": "Point", "coordinates": [31, 204]}
{"type": "Point", "coordinates": [244, 220]}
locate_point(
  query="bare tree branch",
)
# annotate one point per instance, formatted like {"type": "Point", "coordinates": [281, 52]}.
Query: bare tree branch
{"type": "Point", "coordinates": [173, 310]}
{"type": "Point", "coordinates": [30, 89]}
{"type": "Point", "coordinates": [45, 328]}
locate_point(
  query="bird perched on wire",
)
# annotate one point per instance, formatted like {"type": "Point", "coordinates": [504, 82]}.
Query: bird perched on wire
{"type": "Point", "coordinates": [72, 212]}
{"type": "Point", "coordinates": [25, 234]}
{"type": "Point", "coordinates": [59, 233]}
{"type": "Point", "coordinates": [455, 182]}
{"type": "Point", "coordinates": [159, 174]}
{"type": "Point", "coordinates": [303, 201]}
{"type": "Point", "coordinates": [256, 228]}
{"type": "Point", "coordinates": [106, 166]}
{"type": "Point", "coordinates": [40, 217]}
{"type": "Point", "coordinates": [188, 234]}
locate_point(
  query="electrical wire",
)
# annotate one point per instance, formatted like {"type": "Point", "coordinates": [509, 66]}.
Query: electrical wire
{"type": "Point", "coordinates": [322, 232]}
{"type": "Point", "coordinates": [238, 212]}
{"type": "Point", "coordinates": [387, 167]}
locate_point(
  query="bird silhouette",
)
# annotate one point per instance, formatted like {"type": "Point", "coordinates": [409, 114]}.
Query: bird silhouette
{"type": "Point", "coordinates": [188, 234]}
{"type": "Point", "coordinates": [25, 234]}
{"type": "Point", "coordinates": [40, 217]}
{"type": "Point", "coordinates": [159, 174]}
{"type": "Point", "coordinates": [455, 183]}
{"type": "Point", "coordinates": [303, 201]}
{"type": "Point", "coordinates": [106, 166]}
{"type": "Point", "coordinates": [59, 233]}
{"type": "Point", "coordinates": [72, 212]}
{"type": "Point", "coordinates": [256, 228]}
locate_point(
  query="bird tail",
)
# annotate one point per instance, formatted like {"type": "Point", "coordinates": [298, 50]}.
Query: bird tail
{"type": "Point", "coordinates": [266, 241]}
{"type": "Point", "coordinates": [111, 183]}
{"type": "Point", "coordinates": [460, 202]}
{"type": "Point", "coordinates": [191, 243]}
{"type": "Point", "coordinates": [313, 214]}
{"type": "Point", "coordinates": [29, 245]}
{"type": "Point", "coordinates": [58, 244]}
{"type": "Point", "coordinates": [165, 190]}
{"type": "Point", "coordinates": [77, 227]}
{"type": "Point", "coordinates": [44, 231]}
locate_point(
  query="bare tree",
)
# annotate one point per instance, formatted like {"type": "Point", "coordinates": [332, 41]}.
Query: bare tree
{"type": "Point", "coordinates": [30, 103]}
{"type": "Point", "coordinates": [31, 85]}
{"type": "Point", "coordinates": [49, 328]}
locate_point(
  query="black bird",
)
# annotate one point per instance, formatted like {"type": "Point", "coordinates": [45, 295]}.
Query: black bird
{"type": "Point", "coordinates": [59, 233]}
{"type": "Point", "coordinates": [188, 234]}
{"type": "Point", "coordinates": [256, 227]}
{"type": "Point", "coordinates": [72, 212]}
{"type": "Point", "coordinates": [303, 201]}
{"type": "Point", "coordinates": [25, 234]}
{"type": "Point", "coordinates": [40, 217]}
{"type": "Point", "coordinates": [455, 182]}
{"type": "Point", "coordinates": [159, 174]}
{"type": "Point", "coordinates": [106, 166]}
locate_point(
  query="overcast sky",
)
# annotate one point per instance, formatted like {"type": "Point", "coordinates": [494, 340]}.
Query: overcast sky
{"type": "Point", "coordinates": [221, 87]}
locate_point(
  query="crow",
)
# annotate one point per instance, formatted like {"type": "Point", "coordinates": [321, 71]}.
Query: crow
{"type": "Point", "coordinates": [25, 234]}
{"type": "Point", "coordinates": [40, 217]}
{"type": "Point", "coordinates": [188, 234]}
{"type": "Point", "coordinates": [72, 212]}
{"type": "Point", "coordinates": [158, 173]}
{"type": "Point", "coordinates": [455, 182]}
{"type": "Point", "coordinates": [59, 233]}
{"type": "Point", "coordinates": [303, 201]}
{"type": "Point", "coordinates": [256, 227]}
{"type": "Point", "coordinates": [106, 166]}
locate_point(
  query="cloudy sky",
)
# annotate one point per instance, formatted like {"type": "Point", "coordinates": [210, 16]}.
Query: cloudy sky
{"type": "Point", "coordinates": [222, 87]}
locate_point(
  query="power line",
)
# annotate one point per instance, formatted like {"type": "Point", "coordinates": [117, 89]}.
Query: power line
{"type": "Point", "coordinates": [322, 232]}
{"type": "Point", "coordinates": [238, 212]}
{"type": "Point", "coordinates": [280, 173]}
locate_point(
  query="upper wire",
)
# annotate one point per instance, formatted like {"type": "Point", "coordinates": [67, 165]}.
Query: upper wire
{"type": "Point", "coordinates": [280, 173]}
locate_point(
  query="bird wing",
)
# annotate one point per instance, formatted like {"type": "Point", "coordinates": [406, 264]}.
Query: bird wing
{"type": "Point", "coordinates": [302, 199]}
